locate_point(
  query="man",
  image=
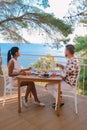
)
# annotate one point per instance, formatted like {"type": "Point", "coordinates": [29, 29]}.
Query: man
{"type": "Point", "coordinates": [69, 73]}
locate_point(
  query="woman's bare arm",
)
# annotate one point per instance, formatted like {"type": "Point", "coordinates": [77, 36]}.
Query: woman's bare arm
{"type": "Point", "coordinates": [27, 69]}
{"type": "Point", "coordinates": [11, 68]}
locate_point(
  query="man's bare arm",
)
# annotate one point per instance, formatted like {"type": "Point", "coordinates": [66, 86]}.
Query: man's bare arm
{"type": "Point", "coordinates": [60, 65]}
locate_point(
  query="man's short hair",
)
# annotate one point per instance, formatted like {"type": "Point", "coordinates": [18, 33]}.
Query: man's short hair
{"type": "Point", "coordinates": [70, 48]}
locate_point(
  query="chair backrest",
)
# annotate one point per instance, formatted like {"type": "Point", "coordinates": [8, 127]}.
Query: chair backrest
{"type": "Point", "coordinates": [78, 75]}
{"type": "Point", "coordinates": [77, 80]}
{"type": "Point", "coordinates": [5, 70]}
{"type": "Point", "coordinates": [4, 75]}
{"type": "Point", "coordinates": [7, 83]}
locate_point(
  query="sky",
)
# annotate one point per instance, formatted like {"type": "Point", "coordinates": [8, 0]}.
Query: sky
{"type": "Point", "coordinates": [58, 7]}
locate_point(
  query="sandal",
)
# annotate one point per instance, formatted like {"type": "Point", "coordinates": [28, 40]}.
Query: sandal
{"type": "Point", "coordinates": [54, 105]}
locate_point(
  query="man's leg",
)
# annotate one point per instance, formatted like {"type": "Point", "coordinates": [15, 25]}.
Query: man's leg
{"type": "Point", "coordinates": [53, 90]}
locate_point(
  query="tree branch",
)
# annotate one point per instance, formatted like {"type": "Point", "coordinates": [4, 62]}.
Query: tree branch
{"type": "Point", "coordinates": [7, 2]}
{"type": "Point", "coordinates": [83, 13]}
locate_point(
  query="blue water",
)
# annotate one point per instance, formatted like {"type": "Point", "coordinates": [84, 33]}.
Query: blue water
{"type": "Point", "coordinates": [38, 49]}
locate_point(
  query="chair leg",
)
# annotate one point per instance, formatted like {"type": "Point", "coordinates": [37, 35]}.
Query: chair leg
{"type": "Point", "coordinates": [56, 101]}
{"type": "Point", "coordinates": [76, 104]}
{"type": "Point", "coordinates": [10, 92]}
{"type": "Point", "coordinates": [4, 98]}
{"type": "Point", "coordinates": [21, 98]}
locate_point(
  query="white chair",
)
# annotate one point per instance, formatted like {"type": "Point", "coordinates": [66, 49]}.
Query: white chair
{"type": "Point", "coordinates": [67, 93]}
{"type": "Point", "coordinates": [70, 94]}
{"type": "Point", "coordinates": [8, 88]}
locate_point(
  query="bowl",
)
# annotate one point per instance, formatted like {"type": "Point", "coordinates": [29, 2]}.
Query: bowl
{"type": "Point", "coordinates": [46, 75]}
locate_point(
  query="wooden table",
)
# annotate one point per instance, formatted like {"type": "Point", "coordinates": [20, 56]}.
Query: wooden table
{"type": "Point", "coordinates": [39, 79]}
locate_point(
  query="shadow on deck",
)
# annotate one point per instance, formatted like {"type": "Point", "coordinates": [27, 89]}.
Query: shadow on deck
{"type": "Point", "coordinates": [37, 118]}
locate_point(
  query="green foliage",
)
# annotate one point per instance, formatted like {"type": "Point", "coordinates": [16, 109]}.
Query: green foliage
{"type": "Point", "coordinates": [48, 59]}
{"type": "Point", "coordinates": [81, 47]}
{"type": "Point", "coordinates": [52, 21]}
{"type": "Point", "coordinates": [81, 44]}
{"type": "Point", "coordinates": [83, 21]}
{"type": "Point", "coordinates": [83, 74]}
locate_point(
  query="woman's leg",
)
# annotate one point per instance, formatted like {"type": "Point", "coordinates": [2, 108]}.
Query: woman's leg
{"type": "Point", "coordinates": [30, 88]}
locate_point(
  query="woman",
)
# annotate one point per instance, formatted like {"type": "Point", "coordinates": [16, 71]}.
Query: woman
{"type": "Point", "coordinates": [14, 69]}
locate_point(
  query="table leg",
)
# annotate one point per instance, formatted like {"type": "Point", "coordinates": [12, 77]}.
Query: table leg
{"type": "Point", "coordinates": [30, 95]}
{"type": "Point", "coordinates": [58, 104]}
{"type": "Point", "coordinates": [19, 105]}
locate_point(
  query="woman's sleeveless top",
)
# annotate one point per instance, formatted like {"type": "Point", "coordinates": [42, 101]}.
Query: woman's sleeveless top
{"type": "Point", "coordinates": [17, 69]}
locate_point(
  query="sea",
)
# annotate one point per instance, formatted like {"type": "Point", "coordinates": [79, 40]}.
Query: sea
{"type": "Point", "coordinates": [33, 49]}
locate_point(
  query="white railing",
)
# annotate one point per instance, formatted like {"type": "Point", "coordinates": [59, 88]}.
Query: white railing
{"type": "Point", "coordinates": [32, 57]}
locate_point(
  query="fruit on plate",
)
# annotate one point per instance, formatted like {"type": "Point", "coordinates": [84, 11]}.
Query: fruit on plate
{"type": "Point", "coordinates": [27, 72]}
{"type": "Point", "coordinates": [53, 74]}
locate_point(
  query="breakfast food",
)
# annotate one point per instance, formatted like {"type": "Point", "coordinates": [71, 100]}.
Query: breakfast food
{"type": "Point", "coordinates": [27, 72]}
{"type": "Point", "coordinates": [53, 74]}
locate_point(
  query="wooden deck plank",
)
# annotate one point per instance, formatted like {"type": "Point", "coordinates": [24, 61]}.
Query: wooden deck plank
{"type": "Point", "coordinates": [37, 118]}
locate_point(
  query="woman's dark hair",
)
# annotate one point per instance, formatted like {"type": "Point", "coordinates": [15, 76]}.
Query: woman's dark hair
{"type": "Point", "coordinates": [70, 48]}
{"type": "Point", "coordinates": [11, 53]}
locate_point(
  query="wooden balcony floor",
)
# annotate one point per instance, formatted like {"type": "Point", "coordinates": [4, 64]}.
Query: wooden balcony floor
{"type": "Point", "coordinates": [37, 118]}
